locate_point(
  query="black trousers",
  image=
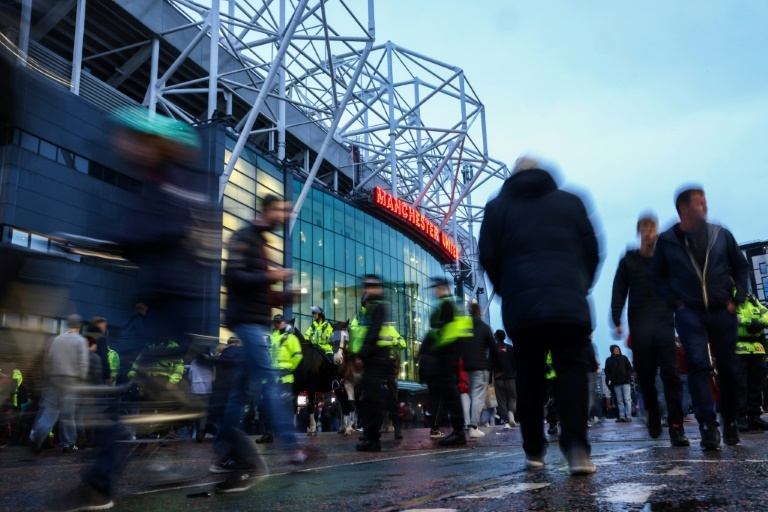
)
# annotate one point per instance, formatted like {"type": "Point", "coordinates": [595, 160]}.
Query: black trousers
{"type": "Point", "coordinates": [375, 402]}
{"type": "Point", "coordinates": [444, 392]}
{"type": "Point", "coordinates": [506, 397]}
{"type": "Point", "coordinates": [654, 349]}
{"type": "Point", "coordinates": [750, 371]}
{"type": "Point", "coordinates": [550, 402]}
{"type": "Point", "coordinates": [570, 348]}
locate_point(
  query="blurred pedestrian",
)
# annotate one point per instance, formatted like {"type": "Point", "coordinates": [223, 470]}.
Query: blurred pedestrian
{"type": "Point", "coordinates": [695, 268]}
{"type": "Point", "coordinates": [133, 339]}
{"type": "Point", "coordinates": [202, 374]}
{"type": "Point", "coordinates": [618, 376]}
{"type": "Point", "coordinates": [504, 381]}
{"type": "Point", "coordinates": [480, 357]}
{"type": "Point", "coordinates": [540, 252]}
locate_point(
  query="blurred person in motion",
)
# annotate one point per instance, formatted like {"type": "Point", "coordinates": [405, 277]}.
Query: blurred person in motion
{"type": "Point", "coordinates": [249, 278]}
{"type": "Point", "coordinates": [694, 269]}
{"type": "Point", "coordinates": [504, 381]}
{"type": "Point", "coordinates": [375, 348]}
{"type": "Point", "coordinates": [618, 376]}
{"type": "Point", "coordinates": [652, 325]}
{"type": "Point", "coordinates": [66, 365]}
{"type": "Point", "coordinates": [480, 357]}
{"type": "Point", "coordinates": [449, 329]}
{"type": "Point", "coordinates": [750, 352]}
{"type": "Point", "coordinates": [98, 325]}
{"type": "Point", "coordinates": [202, 374]}
{"type": "Point", "coordinates": [540, 251]}
{"type": "Point", "coordinates": [227, 361]}
{"type": "Point", "coordinates": [133, 338]}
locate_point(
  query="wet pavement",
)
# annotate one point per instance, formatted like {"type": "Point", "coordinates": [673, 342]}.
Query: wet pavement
{"type": "Point", "coordinates": [633, 473]}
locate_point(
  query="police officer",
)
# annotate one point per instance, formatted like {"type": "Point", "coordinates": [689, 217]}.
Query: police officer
{"type": "Point", "coordinates": [753, 320]}
{"type": "Point", "coordinates": [377, 352]}
{"type": "Point", "coordinates": [449, 326]}
{"type": "Point", "coordinates": [285, 352]}
{"type": "Point", "coordinates": [319, 333]}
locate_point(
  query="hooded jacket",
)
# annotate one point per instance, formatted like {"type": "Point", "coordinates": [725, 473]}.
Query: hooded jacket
{"type": "Point", "coordinates": [633, 279]}
{"type": "Point", "coordinates": [540, 252]}
{"type": "Point", "coordinates": [480, 352]}
{"type": "Point", "coordinates": [680, 280]}
{"type": "Point", "coordinates": [618, 369]}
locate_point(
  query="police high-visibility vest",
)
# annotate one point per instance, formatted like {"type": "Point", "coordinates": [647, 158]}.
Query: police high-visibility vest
{"type": "Point", "coordinates": [388, 335]}
{"type": "Point", "coordinates": [171, 368]}
{"type": "Point", "coordinates": [460, 328]}
{"type": "Point", "coordinates": [319, 333]}
{"type": "Point", "coordinates": [285, 351]}
{"type": "Point", "coordinates": [550, 368]}
{"type": "Point", "coordinates": [751, 343]}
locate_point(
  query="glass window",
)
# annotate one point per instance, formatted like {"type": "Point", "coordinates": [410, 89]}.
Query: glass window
{"type": "Point", "coordinates": [359, 258]}
{"type": "Point", "coordinates": [351, 296]}
{"type": "Point", "coordinates": [246, 168]}
{"type": "Point", "coordinates": [369, 230]}
{"type": "Point", "coordinates": [48, 150]}
{"type": "Point", "coordinates": [317, 207]}
{"type": "Point", "coordinates": [318, 247]}
{"type": "Point", "coordinates": [50, 325]}
{"type": "Point", "coordinates": [340, 297]}
{"type": "Point", "coordinates": [329, 249]}
{"type": "Point", "coordinates": [350, 262]}
{"type": "Point", "coordinates": [274, 185]}
{"type": "Point", "coordinates": [20, 238]}
{"type": "Point", "coordinates": [38, 243]}
{"type": "Point", "coordinates": [12, 320]}
{"type": "Point", "coordinates": [29, 142]}
{"type": "Point", "coordinates": [339, 251]}
{"type": "Point", "coordinates": [377, 233]}
{"type": "Point", "coordinates": [328, 211]}
{"type": "Point", "coordinates": [317, 287]}
{"type": "Point", "coordinates": [81, 164]}
{"type": "Point", "coordinates": [377, 264]}
{"type": "Point", "coordinates": [338, 217]}
{"type": "Point", "coordinates": [31, 323]}
{"type": "Point", "coordinates": [305, 287]}
{"type": "Point", "coordinates": [369, 261]}
{"type": "Point", "coordinates": [359, 226]}
{"type": "Point", "coordinates": [305, 237]}
{"type": "Point", "coordinates": [763, 269]}
{"type": "Point", "coordinates": [349, 221]}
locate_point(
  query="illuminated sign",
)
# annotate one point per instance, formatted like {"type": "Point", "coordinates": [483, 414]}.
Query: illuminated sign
{"type": "Point", "coordinates": [413, 218]}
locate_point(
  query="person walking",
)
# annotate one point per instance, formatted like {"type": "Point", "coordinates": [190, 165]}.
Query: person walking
{"type": "Point", "coordinates": [67, 365]}
{"type": "Point", "coordinates": [539, 249]}
{"type": "Point", "coordinates": [618, 376]}
{"type": "Point", "coordinates": [480, 357]}
{"type": "Point", "coordinates": [694, 269]}
{"type": "Point", "coordinates": [652, 325]}
{"type": "Point", "coordinates": [504, 381]}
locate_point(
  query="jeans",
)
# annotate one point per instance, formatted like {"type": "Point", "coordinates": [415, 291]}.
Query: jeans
{"type": "Point", "coordinates": [570, 347]}
{"type": "Point", "coordinates": [254, 368]}
{"type": "Point", "coordinates": [715, 330]}
{"type": "Point", "coordinates": [624, 397]}
{"type": "Point", "coordinates": [58, 404]}
{"type": "Point", "coordinates": [478, 387]}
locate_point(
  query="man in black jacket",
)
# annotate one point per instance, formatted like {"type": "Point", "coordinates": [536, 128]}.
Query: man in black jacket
{"type": "Point", "coordinates": [618, 376]}
{"type": "Point", "coordinates": [504, 381]}
{"type": "Point", "coordinates": [652, 326]}
{"type": "Point", "coordinates": [540, 251]}
{"type": "Point", "coordinates": [249, 315]}
{"type": "Point", "coordinates": [480, 356]}
{"type": "Point", "coordinates": [695, 269]}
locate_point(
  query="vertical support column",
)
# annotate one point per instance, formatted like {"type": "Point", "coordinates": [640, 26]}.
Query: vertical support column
{"type": "Point", "coordinates": [26, 20]}
{"type": "Point", "coordinates": [281, 91]}
{"type": "Point", "coordinates": [231, 12]}
{"type": "Point", "coordinates": [213, 58]}
{"type": "Point", "coordinates": [155, 63]}
{"type": "Point", "coordinates": [228, 99]}
{"type": "Point", "coordinates": [417, 113]}
{"type": "Point", "coordinates": [392, 125]}
{"type": "Point", "coordinates": [77, 54]}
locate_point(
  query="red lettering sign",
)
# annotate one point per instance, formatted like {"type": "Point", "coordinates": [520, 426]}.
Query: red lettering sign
{"type": "Point", "coordinates": [416, 220]}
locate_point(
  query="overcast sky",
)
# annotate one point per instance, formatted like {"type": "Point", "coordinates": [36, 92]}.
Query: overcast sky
{"type": "Point", "coordinates": [628, 99]}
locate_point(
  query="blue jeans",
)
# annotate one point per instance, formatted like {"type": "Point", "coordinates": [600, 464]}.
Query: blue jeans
{"type": "Point", "coordinates": [624, 396]}
{"type": "Point", "coordinates": [58, 404]}
{"type": "Point", "coordinates": [716, 330]}
{"type": "Point", "coordinates": [254, 368]}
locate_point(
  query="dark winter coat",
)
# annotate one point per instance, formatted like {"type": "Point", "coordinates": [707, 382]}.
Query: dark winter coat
{"type": "Point", "coordinates": [680, 281]}
{"type": "Point", "coordinates": [633, 279]}
{"type": "Point", "coordinates": [618, 370]}
{"type": "Point", "coordinates": [480, 352]}
{"type": "Point", "coordinates": [507, 361]}
{"type": "Point", "coordinates": [250, 299]}
{"type": "Point", "coordinates": [540, 252]}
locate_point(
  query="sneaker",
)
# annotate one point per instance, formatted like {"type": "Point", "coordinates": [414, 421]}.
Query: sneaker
{"type": "Point", "coordinates": [82, 497]}
{"type": "Point", "coordinates": [619, 420]}
{"type": "Point", "coordinates": [552, 430]}
{"type": "Point", "coordinates": [369, 446]}
{"type": "Point", "coordinates": [222, 466]}
{"type": "Point", "coordinates": [579, 463]}
{"type": "Point", "coordinates": [710, 436]}
{"type": "Point", "coordinates": [507, 426]}
{"type": "Point", "coordinates": [436, 434]}
{"type": "Point", "coordinates": [266, 438]}
{"type": "Point", "coordinates": [476, 433]}
{"type": "Point", "coordinates": [240, 481]}
{"type": "Point", "coordinates": [731, 433]}
{"type": "Point", "coordinates": [70, 449]}
{"type": "Point", "coordinates": [532, 462]}
{"type": "Point", "coordinates": [457, 438]}
{"type": "Point", "coordinates": [757, 423]}
{"type": "Point", "coordinates": [743, 424]}
{"type": "Point", "coordinates": [627, 420]}
{"type": "Point", "coordinates": [677, 436]}
{"type": "Point", "coordinates": [300, 456]}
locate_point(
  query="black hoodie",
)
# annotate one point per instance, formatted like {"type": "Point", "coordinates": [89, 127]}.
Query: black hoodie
{"type": "Point", "coordinates": [618, 369]}
{"type": "Point", "coordinates": [540, 252]}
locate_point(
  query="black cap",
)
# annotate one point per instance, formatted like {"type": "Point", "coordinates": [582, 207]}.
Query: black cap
{"type": "Point", "coordinates": [438, 281]}
{"type": "Point", "coordinates": [278, 319]}
{"type": "Point", "coordinates": [371, 280]}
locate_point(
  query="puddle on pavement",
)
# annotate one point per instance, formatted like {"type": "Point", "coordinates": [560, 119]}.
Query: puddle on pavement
{"type": "Point", "coordinates": [684, 505]}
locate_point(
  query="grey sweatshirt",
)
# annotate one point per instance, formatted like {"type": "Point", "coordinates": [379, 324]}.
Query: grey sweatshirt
{"type": "Point", "coordinates": [68, 356]}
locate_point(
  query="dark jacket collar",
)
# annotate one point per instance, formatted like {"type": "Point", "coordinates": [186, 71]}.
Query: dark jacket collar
{"type": "Point", "coordinates": [531, 183]}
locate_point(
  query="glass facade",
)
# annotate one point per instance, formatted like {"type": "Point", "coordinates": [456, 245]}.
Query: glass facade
{"type": "Point", "coordinates": [252, 178]}
{"type": "Point", "coordinates": [335, 243]}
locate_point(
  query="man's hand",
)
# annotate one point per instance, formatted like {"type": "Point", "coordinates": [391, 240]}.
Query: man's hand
{"type": "Point", "coordinates": [731, 306]}
{"type": "Point", "coordinates": [617, 332]}
{"type": "Point", "coordinates": [281, 274]}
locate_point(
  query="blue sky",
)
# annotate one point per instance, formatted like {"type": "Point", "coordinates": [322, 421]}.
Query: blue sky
{"type": "Point", "coordinates": [628, 99]}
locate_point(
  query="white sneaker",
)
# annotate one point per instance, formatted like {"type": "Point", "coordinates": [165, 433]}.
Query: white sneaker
{"type": "Point", "coordinates": [436, 434]}
{"type": "Point", "coordinates": [507, 426]}
{"type": "Point", "coordinates": [534, 462]}
{"type": "Point", "coordinates": [476, 433]}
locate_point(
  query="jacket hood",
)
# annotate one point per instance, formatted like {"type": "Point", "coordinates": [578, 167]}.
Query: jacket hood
{"type": "Point", "coordinates": [531, 183]}
{"type": "Point", "coordinates": [610, 349]}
